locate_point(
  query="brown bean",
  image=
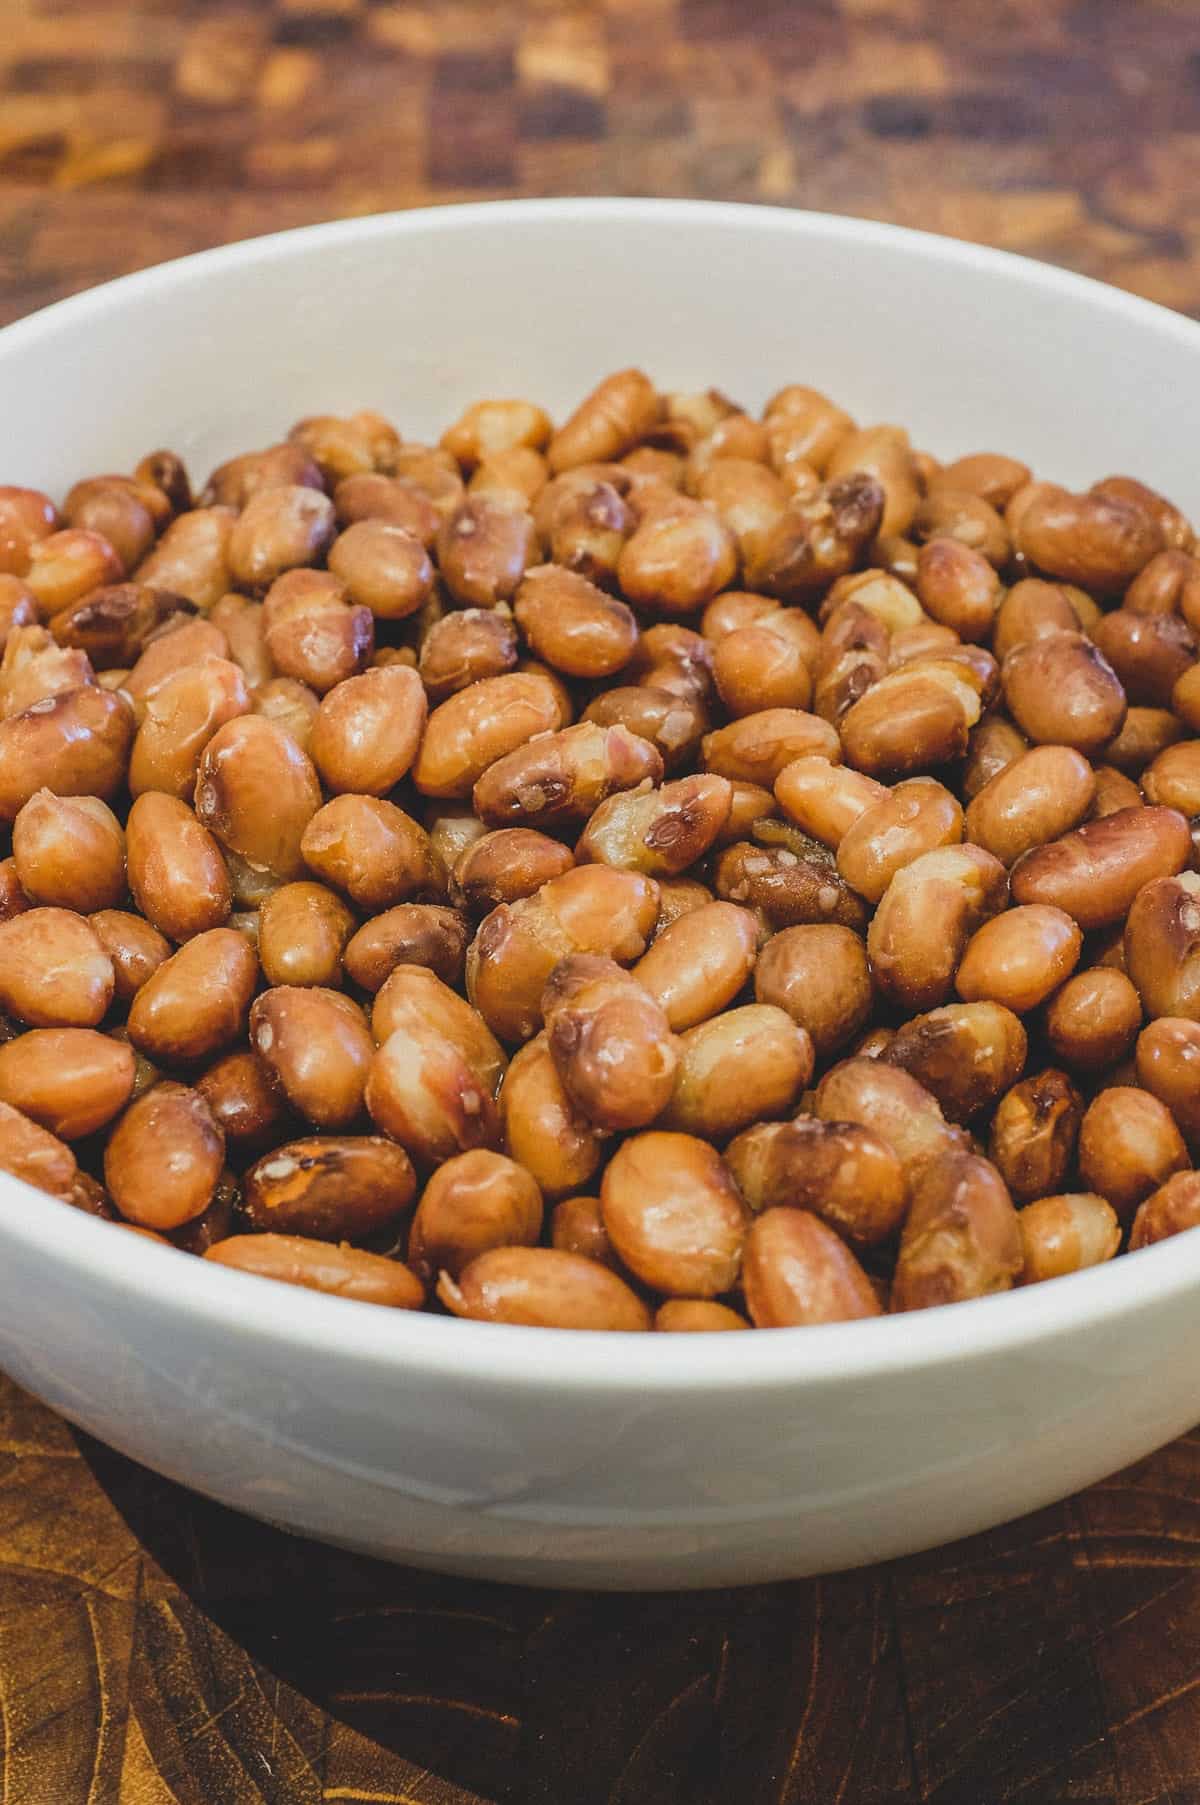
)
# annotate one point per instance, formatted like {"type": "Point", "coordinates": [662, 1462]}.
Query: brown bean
{"type": "Point", "coordinates": [917, 717]}
{"type": "Point", "coordinates": [367, 731]}
{"type": "Point", "coordinates": [371, 850]}
{"type": "Point", "coordinates": [279, 529]}
{"type": "Point", "coordinates": [195, 1003]}
{"type": "Point", "coordinates": [69, 565]}
{"type": "Point", "coordinates": [34, 669]}
{"type": "Point", "coordinates": [368, 1278]}
{"type": "Point", "coordinates": [573, 625]}
{"type": "Point", "coordinates": [332, 1188]}
{"type": "Point", "coordinates": [367, 495]}
{"type": "Point", "coordinates": [479, 725]}
{"type": "Point", "coordinates": [696, 1315]}
{"type": "Point", "coordinates": [1034, 1132]}
{"type": "Point", "coordinates": [192, 557]}
{"type": "Point", "coordinates": [341, 447]}
{"type": "Point", "coordinates": [824, 799]}
{"type": "Point", "coordinates": [747, 497]}
{"type": "Point", "coordinates": [1036, 798]}
{"type": "Point", "coordinates": [164, 1158]}
{"type": "Point", "coordinates": [819, 538]}
{"type": "Point", "coordinates": [290, 705]}
{"type": "Point", "coordinates": [177, 723]}
{"type": "Point", "coordinates": [176, 872]}
{"type": "Point", "coordinates": [233, 483]}
{"type": "Point", "coordinates": [311, 631]}
{"type": "Point", "coordinates": [543, 1130]}
{"type": "Point", "coordinates": [504, 865]}
{"type": "Point", "coordinates": [464, 648]}
{"type": "Point", "coordinates": [178, 647]}
{"type": "Point", "coordinates": [819, 974]}
{"type": "Point", "coordinates": [112, 625]}
{"type": "Point", "coordinates": [415, 1000]}
{"type": "Point", "coordinates": [925, 918]}
{"type": "Point", "coordinates": [961, 1238]}
{"type": "Point", "coordinates": [797, 1272]}
{"type": "Point", "coordinates": [788, 888]}
{"type": "Point", "coordinates": [967, 1055]}
{"type": "Point", "coordinates": [135, 947]}
{"type": "Point", "coordinates": [893, 1105]}
{"type": "Point", "coordinates": [1062, 690]}
{"type": "Point", "coordinates": [167, 472]}
{"type": "Point", "coordinates": [958, 587]}
{"type": "Point", "coordinates": [1099, 541]}
{"type": "Point", "coordinates": [1173, 780]}
{"type": "Point", "coordinates": [1168, 1211]}
{"type": "Point", "coordinates": [112, 507]}
{"type": "Point", "coordinates": [53, 971]}
{"type": "Point", "coordinates": [562, 777]}
{"type": "Point", "coordinates": [883, 452]}
{"type": "Point", "coordinates": [756, 748]}
{"type": "Point", "coordinates": [743, 1066]}
{"type": "Point", "coordinates": [13, 900]}
{"type": "Point", "coordinates": [1168, 1065]}
{"type": "Point", "coordinates": [257, 791]}
{"type": "Point", "coordinates": [699, 962]}
{"type": "Point", "coordinates": [986, 473]}
{"type": "Point", "coordinates": [26, 516]}
{"type": "Point", "coordinates": [1066, 1234]}
{"type": "Point", "coordinates": [474, 1202]}
{"type": "Point", "coordinates": [1168, 584]}
{"type": "Point", "coordinates": [483, 550]}
{"type": "Point", "coordinates": [992, 746]}
{"type": "Point", "coordinates": [902, 824]}
{"type": "Point", "coordinates": [816, 424]}
{"type": "Point", "coordinates": [658, 831]}
{"type": "Point", "coordinates": [1149, 653]}
{"type": "Point", "coordinates": [577, 1226]}
{"type": "Point", "coordinates": [1093, 1021]}
{"type": "Point", "coordinates": [542, 1287]}
{"type": "Point", "coordinates": [673, 1214]}
{"type": "Point", "coordinates": [840, 1171]}
{"type": "Point", "coordinates": [607, 423]}
{"type": "Point", "coordinates": [1128, 1145]}
{"type": "Point", "coordinates": [247, 1103]}
{"type": "Point", "coordinates": [303, 931]}
{"type": "Point", "coordinates": [677, 558]}
{"type": "Point", "coordinates": [1020, 957]}
{"type": "Point", "coordinates": [490, 427]}
{"type": "Point", "coordinates": [968, 519]}
{"type": "Point", "coordinates": [592, 909]}
{"type": "Point", "coordinates": [423, 1092]}
{"type": "Point", "coordinates": [1162, 945]}
{"type": "Point", "coordinates": [69, 852]}
{"type": "Point", "coordinates": [384, 566]}
{"type": "Point", "coordinates": [318, 1047]}
{"type": "Point", "coordinates": [70, 1080]}
{"type": "Point", "coordinates": [75, 743]}
{"type": "Point", "coordinates": [28, 1152]}
{"type": "Point", "coordinates": [1095, 872]}
{"type": "Point", "coordinates": [673, 724]}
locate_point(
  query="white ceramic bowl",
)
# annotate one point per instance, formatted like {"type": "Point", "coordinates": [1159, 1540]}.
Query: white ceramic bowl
{"type": "Point", "coordinates": [565, 1458]}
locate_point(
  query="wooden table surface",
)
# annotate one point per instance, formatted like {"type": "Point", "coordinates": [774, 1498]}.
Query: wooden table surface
{"type": "Point", "coordinates": [155, 1648]}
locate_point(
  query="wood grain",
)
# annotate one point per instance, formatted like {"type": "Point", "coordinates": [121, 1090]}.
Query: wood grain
{"type": "Point", "coordinates": [156, 1649]}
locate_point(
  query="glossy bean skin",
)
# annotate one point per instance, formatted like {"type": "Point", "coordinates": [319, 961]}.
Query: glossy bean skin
{"type": "Point", "coordinates": [543, 1287]}
{"type": "Point", "coordinates": [962, 1238]}
{"type": "Point", "coordinates": [70, 1080]}
{"type": "Point", "coordinates": [916, 717]}
{"type": "Point", "coordinates": [176, 873]}
{"type": "Point", "coordinates": [967, 1055]}
{"type": "Point", "coordinates": [797, 1272]}
{"type": "Point", "coordinates": [418, 1001]}
{"type": "Point", "coordinates": [466, 647]}
{"type": "Point", "coordinates": [69, 852]}
{"type": "Point", "coordinates": [367, 1278]}
{"type": "Point", "coordinates": [302, 934]}
{"type": "Point", "coordinates": [1162, 945]}
{"type": "Point", "coordinates": [819, 538]}
{"type": "Point", "coordinates": [1040, 796]}
{"type": "Point", "coordinates": [577, 1226]}
{"type": "Point", "coordinates": [1034, 1133]}
{"type": "Point", "coordinates": [563, 777]}
{"type": "Point", "coordinates": [958, 587]}
{"type": "Point", "coordinates": [1019, 958]}
{"type": "Point", "coordinates": [819, 974]}
{"type": "Point", "coordinates": [607, 423]}
{"type": "Point", "coordinates": [743, 1066]}
{"type": "Point", "coordinates": [825, 799]}
{"type": "Point", "coordinates": [75, 743]}
{"type": "Point", "coordinates": [840, 1171]}
{"type": "Point", "coordinates": [329, 1187]}
{"type": "Point", "coordinates": [1094, 1020]}
{"type": "Point", "coordinates": [195, 1003]}
{"type": "Point", "coordinates": [1095, 872]}
{"type": "Point", "coordinates": [54, 973]}
{"type": "Point", "coordinates": [591, 909]}
{"type": "Point", "coordinates": [789, 889]}
{"type": "Point", "coordinates": [472, 729]}
{"type": "Point", "coordinates": [912, 818]}
{"type": "Point", "coordinates": [1066, 1234]}
{"type": "Point", "coordinates": [247, 1103]}
{"type": "Point", "coordinates": [925, 918]}
{"type": "Point", "coordinates": [374, 852]}
{"type": "Point", "coordinates": [318, 1046]}
{"type": "Point", "coordinates": [1061, 690]}
{"type": "Point", "coordinates": [756, 748]}
{"type": "Point", "coordinates": [367, 731]}
{"type": "Point", "coordinates": [893, 1105]}
{"type": "Point", "coordinates": [135, 947]}
{"type": "Point", "coordinates": [696, 1316]}
{"type": "Point", "coordinates": [384, 566]}
{"type": "Point", "coordinates": [572, 624]}
{"type": "Point", "coordinates": [504, 865]}
{"type": "Point", "coordinates": [1100, 542]}
{"type": "Point", "coordinates": [699, 963]}
{"type": "Point", "coordinates": [1174, 1207]}
{"type": "Point", "coordinates": [476, 1201]}
{"type": "Point", "coordinates": [257, 791]}
{"type": "Point", "coordinates": [1129, 1144]}
{"type": "Point", "coordinates": [543, 1130]}
{"type": "Point", "coordinates": [610, 1041]}
{"type": "Point", "coordinates": [33, 1154]}
{"type": "Point", "coordinates": [660, 831]}
{"type": "Point", "coordinates": [164, 1158]}
{"type": "Point", "coordinates": [423, 1092]}
{"type": "Point", "coordinates": [1168, 1066]}
{"type": "Point", "coordinates": [113, 624]}
{"type": "Point", "coordinates": [192, 557]}
{"type": "Point", "coordinates": [673, 1214]}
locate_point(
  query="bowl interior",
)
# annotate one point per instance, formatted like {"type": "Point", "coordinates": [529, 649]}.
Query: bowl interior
{"type": "Point", "coordinates": [419, 314]}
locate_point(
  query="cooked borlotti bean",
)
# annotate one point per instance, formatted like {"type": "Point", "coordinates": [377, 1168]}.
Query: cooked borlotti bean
{"type": "Point", "coordinates": [618, 873]}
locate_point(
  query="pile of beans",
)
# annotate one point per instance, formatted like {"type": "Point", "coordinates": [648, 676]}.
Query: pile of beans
{"type": "Point", "coordinates": [679, 870]}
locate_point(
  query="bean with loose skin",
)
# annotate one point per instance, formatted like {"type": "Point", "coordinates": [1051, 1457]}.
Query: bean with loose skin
{"type": "Point", "coordinates": [967, 1055]}
{"type": "Point", "coordinates": [962, 1237]}
{"type": "Point", "coordinates": [841, 1171]}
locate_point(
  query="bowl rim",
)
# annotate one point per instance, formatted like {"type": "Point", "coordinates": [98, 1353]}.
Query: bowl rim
{"type": "Point", "coordinates": [495, 1356]}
